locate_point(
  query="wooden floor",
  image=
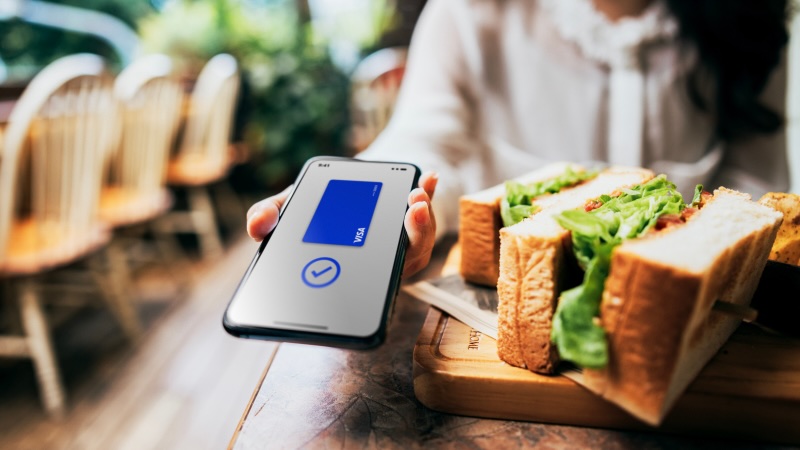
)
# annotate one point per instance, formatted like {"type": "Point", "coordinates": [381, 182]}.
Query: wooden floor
{"type": "Point", "coordinates": [184, 386]}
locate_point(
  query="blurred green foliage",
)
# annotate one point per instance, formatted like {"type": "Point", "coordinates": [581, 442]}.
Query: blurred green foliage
{"type": "Point", "coordinates": [27, 48]}
{"type": "Point", "coordinates": [294, 101]}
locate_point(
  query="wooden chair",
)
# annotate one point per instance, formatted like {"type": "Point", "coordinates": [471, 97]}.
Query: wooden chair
{"type": "Point", "coordinates": [204, 155]}
{"type": "Point", "coordinates": [55, 143]}
{"type": "Point", "coordinates": [149, 100]}
{"type": "Point", "coordinates": [375, 84]}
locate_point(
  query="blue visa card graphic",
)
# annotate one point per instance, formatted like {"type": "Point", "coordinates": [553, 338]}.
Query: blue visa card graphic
{"type": "Point", "coordinates": [344, 213]}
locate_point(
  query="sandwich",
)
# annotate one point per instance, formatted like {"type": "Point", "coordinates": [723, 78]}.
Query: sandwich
{"type": "Point", "coordinates": [535, 254]}
{"type": "Point", "coordinates": [641, 322]}
{"type": "Point", "coordinates": [483, 214]}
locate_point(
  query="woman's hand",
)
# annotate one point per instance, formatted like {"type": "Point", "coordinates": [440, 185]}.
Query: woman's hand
{"type": "Point", "coordinates": [419, 221]}
{"type": "Point", "coordinates": [420, 225]}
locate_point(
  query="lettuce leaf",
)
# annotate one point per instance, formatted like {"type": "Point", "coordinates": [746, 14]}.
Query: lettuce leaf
{"type": "Point", "coordinates": [575, 325]}
{"type": "Point", "coordinates": [698, 195]}
{"type": "Point", "coordinates": [515, 214]}
{"type": "Point", "coordinates": [517, 203]}
{"type": "Point", "coordinates": [595, 234]}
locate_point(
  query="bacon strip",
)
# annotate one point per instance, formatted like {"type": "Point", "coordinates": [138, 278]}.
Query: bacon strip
{"type": "Point", "coordinates": [669, 220]}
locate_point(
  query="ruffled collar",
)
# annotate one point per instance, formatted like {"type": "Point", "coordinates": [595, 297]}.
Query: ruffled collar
{"type": "Point", "coordinates": [613, 43]}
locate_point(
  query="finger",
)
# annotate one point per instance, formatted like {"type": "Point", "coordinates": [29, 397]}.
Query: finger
{"type": "Point", "coordinates": [420, 195]}
{"type": "Point", "coordinates": [263, 216]}
{"type": "Point", "coordinates": [421, 233]}
{"type": "Point", "coordinates": [428, 182]}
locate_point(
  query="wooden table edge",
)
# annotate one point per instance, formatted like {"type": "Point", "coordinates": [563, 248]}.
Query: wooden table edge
{"type": "Point", "coordinates": [252, 399]}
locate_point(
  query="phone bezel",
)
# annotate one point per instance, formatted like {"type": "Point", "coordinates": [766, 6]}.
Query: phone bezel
{"type": "Point", "coordinates": [310, 337]}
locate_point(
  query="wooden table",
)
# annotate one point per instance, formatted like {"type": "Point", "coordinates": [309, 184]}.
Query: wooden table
{"type": "Point", "coordinates": [316, 397]}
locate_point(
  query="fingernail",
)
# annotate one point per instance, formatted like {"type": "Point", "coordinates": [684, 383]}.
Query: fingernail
{"type": "Point", "coordinates": [421, 215]}
{"type": "Point", "coordinates": [255, 209]}
{"type": "Point", "coordinates": [250, 212]}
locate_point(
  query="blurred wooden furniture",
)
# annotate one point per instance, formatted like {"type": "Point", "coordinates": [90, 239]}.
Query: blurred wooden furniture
{"type": "Point", "coordinates": [54, 146]}
{"type": "Point", "coordinates": [375, 83]}
{"type": "Point", "coordinates": [149, 100]}
{"type": "Point", "coordinates": [204, 154]}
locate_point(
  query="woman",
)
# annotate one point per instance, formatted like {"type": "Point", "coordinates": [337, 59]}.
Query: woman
{"type": "Point", "coordinates": [496, 88]}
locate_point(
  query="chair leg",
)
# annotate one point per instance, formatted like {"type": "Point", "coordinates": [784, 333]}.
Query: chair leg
{"type": "Point", "coordinates": [164, 229]}
{"type": "Point", "coordinates": [172, 258]}
{"type": "Point", "coordinates": [232, 209]}
{"type": "Point", "coordinates": [114, 280]}
{"type": "Point", "coordinates": [40, 346]}
{"type": "Point", "coordinates": [9, 311]}
{"type": "Point", "coordinates": [204, 222]}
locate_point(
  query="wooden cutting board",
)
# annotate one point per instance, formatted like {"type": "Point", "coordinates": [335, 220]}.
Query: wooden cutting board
{"type": "Point", "coordinates": [750, 390]}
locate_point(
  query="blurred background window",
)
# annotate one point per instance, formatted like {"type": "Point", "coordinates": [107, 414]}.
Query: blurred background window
{"type": "Point", "coordinates": [34, 33]}
{"type": "Point", "coordinates": [351, 26]}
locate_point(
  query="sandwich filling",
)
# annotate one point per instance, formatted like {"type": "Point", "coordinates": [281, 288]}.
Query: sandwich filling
{"type": "Point", "coordinates": [602, 225]}
{"type": "Point", "coordinates": [517, 204]}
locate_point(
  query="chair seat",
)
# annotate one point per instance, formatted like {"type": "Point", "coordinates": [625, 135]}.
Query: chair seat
{"type": "Point", "coordinates": [120, 206]}
{"type": "Point", "coordinates": [34, 247]}
{"type": "Point", "coordinates": [197, 169]}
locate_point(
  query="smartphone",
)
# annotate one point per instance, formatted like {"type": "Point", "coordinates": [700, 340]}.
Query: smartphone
{"type": "Point", "coordinates": [329, 272]}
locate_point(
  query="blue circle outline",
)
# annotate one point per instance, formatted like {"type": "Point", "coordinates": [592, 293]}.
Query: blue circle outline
{"type": "Point", "coordinates": [323, 258]}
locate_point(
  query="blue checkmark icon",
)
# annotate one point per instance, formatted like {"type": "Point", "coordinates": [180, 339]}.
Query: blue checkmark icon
{"type": "Point", "coordinates": [320, 272]}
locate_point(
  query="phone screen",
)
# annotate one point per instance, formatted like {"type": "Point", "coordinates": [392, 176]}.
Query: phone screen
{"type": "Point", "coordinates": [329, 266]}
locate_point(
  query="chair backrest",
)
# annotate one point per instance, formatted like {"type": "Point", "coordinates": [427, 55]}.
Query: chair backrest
{"type": "Point", "coordinates": [209, 121]}
{"type": "Point", "coordinates": [149, 100]}
{"type": "Point", "coordinates": [56, 140]}
{"type": "Point", "coordinates": [375, 84]}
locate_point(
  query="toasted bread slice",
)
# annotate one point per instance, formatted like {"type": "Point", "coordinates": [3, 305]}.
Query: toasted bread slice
{"type": "Point", "coordinates": [533, 264]}
{"type": "Point", "coordinates": [658, 299]}
{"type": "Point", "coordinates": [480, 224]}
{"type": "Point", "coordinates": [786, 248]}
